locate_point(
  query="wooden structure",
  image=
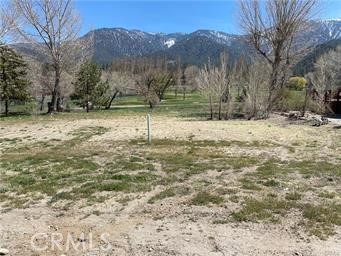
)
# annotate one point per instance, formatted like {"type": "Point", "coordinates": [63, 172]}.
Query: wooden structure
{"type": "Point", "coordinates": [335, 101]}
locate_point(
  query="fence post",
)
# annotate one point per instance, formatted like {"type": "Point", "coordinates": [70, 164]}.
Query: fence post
{"type": "Point", "coordinates": [149, 129]}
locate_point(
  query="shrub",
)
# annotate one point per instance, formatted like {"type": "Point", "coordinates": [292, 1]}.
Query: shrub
{"type": "Point", "coordinates": [291, 100]}
{"type": "Point", "coordinates": [297, 83]}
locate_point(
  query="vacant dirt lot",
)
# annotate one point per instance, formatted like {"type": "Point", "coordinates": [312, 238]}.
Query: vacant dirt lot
{"type": "Point", "coordinates": [202, 187]}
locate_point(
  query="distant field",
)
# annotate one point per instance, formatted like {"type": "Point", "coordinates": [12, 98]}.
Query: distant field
{"type": "Point", "coordinates": [203, 186]}
{"type": "Point", "coordinates": [193, 106]}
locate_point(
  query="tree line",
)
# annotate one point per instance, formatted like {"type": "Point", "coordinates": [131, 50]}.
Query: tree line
{"type": "Point", "coordinates": [252, 90]}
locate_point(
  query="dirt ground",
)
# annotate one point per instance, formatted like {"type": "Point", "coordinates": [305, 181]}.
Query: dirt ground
{"type": "Point", "coordinates": [170, 226]}
{"type": "Point", "coordinates": [132, 127]}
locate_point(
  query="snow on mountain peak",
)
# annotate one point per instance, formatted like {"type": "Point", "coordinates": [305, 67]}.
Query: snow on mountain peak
{"type": "Point", "coordinates": [170, 42]}
{"type": "Point", "coordinates": [335, 20]}
{"type": "Point", "coordinates": [332, 27]}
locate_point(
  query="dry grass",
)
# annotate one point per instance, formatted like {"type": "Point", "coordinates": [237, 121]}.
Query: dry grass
{"type": "Point", "coordinates": [259, 179]}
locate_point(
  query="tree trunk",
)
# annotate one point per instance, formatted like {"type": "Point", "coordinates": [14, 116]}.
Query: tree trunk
{"type": "Point", "coordinates": [277, 81]}
{"type": "Point", "coordinates": [273, 84]}
{"type": "Point", "coordinates": [253, 109]}
{"type": "Point", "coordinates": [59, 104]}
{"type": "Point", "coordinates": [219, 110]}
{"type": "Point", "coordinates": [229, 106]}
{"type": "Point", "coordinates": [6, 107]}
{"type": "Point", "coordinates": [53, 104]}
{"type": "Point", "coordinates": [184, 94]}
{"type": "Point", "coordinates": [42, 102]}
{"type": "Point", "coordinates": [87, 105]}
{"type": "Point", "coordinates": [151, 105]}
{"type": "Point", "coordinates": [111, 100]}
{"type": "Point", "coordinates": [272, 87]}
{"type": "Point", "coordinates": [87, 97]}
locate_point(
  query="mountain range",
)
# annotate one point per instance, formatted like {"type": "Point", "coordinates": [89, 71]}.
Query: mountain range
{"type": "Point", "coordinates": [107, 44]}
{"type": "Point", "coordinates": [306, 64]}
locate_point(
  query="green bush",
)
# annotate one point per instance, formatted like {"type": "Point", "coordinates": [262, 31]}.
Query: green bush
{"type": "Point", "coordinates": [297, 83]}
{"type": "Point", "coordinates": [292, 100]}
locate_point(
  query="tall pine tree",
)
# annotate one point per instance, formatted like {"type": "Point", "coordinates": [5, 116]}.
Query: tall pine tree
{"type": "Point", "coordinates": [88, 84]}
{"type": "Point", "coordinates": [13, 72]}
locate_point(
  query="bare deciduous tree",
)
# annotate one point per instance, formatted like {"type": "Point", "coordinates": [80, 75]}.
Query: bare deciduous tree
{"type": "Point", "coordinates": [118, 82]}
{"type": "Point", "coordinates": [205, 85]}
{"type": "Point", "coordinates": [190, 75]}
{"type": "Point", "coordinates": [256, 78]}
{"type": "Point", "coordinates": [326, 77]}
{"type": "Point", "coordinates": [66, 89]}
{"type": "Point", "coordinates": [41, 76]}
{"type": "Point", "coordinates": [179, 77]}
{"type": "Point", "coordinates": [214, 83]}
{"type": "Point", "coordinates": [6, 20]}
{"type": "Point", "coordinates": [53, 27]}
{"type": "Point", "coordinates": [239, 78]}
{"type": "Point", "coordinates": [144, 87]}
{"type": "Point", "coordinates": [272, 30]}
{"type": "Point", "coordinates": [153, 84]}
{"type": "Point", "coordinates": [153, 79]}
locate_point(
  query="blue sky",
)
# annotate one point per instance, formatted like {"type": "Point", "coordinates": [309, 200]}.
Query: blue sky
{"type": "Point", "coordinates": [172, 16]}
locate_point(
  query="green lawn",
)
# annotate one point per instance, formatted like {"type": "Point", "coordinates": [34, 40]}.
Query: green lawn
{"type": "Point", "coordinates": [193, 106]}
